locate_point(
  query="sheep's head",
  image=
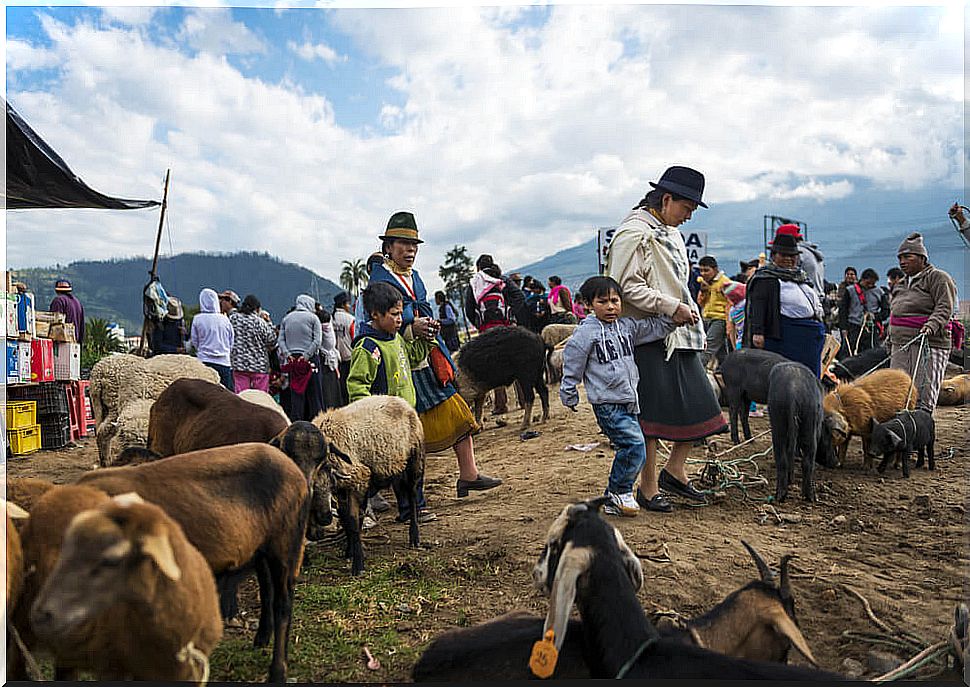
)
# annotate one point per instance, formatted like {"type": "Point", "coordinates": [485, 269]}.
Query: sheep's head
{"type": "Point", "coordinates": [949, 394]}
{"type": "Point", "coordinates": [837, 427]}
{"type": "Point", "coordinates": [304, 443]}
{"type": "Point", "coordinates": [575, 537]}
{"type": "Point", "coordinates": [117, 553]}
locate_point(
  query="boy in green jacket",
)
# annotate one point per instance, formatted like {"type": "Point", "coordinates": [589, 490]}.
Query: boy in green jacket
{"type": "Point", "coordinates": [380, 364]}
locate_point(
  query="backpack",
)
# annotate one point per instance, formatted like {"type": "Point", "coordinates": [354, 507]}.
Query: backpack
{"type": "Point", "coordinates": [877, 318]}
{"type": "Point", "coordinates": [492, 308]}
{"type": "Point", "coordinates": [884, 312]}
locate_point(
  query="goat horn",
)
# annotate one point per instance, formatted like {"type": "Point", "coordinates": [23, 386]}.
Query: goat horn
{"type": "Point", "coordinates": [783, 588]}
{"type": "Point", "coordinates": [767, 576]}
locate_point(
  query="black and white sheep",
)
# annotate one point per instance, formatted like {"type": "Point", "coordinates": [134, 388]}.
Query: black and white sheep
{"type": "Point", "coordinates": [372, 443]}
{"type": "Point", "coordinates": [129, 597]}
{"type": "Point", "coordinates": [745, 376]}
{"type": "Point", "coordinates": [796, 418]}
{"type": "Point", "coordinates": [243, 506]}
{"type": "Point", "coordinates": [586, 561]}
{"type": "Point", "coordinates": [499, 357]}
{"type": "Point", "coordinates": [756, 621]}
{"type": "Point", "coordinates": [908, 431]}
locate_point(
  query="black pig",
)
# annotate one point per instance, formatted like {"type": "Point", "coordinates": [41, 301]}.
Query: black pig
{"type": "Point", "coordinates": [745, 374]}
{"type": "Point", "coordinates": [909, 430]}
{"type": "Point", "coordinates": [795, 410]}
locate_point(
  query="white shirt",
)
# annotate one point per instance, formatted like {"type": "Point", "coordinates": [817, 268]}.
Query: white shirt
{"type": "Point", "coordinates": [798, 301]}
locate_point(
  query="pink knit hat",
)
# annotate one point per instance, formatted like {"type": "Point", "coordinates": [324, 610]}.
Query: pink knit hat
{"type": "Point", "coordinates": [735, 291]}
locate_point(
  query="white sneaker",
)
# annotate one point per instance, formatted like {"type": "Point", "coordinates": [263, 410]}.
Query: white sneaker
{"type": "Point", "coordinates": [622, 504]}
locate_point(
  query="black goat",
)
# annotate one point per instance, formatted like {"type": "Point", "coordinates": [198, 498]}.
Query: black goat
{"type": "Point", "coordinates": [796, 415]}
{"type": "Point", "coordinates": [755, 622]}
{"type": "Point", "coordinates": [745, 375]}
{"type": "Point", "coordinates": [909, 430]}
{"type": "Point", "coordinates": [850, 368]}
{"type": "Point", "coordinates": [586, 561]}
{"type": "Point", "coordinates": [497, 358]}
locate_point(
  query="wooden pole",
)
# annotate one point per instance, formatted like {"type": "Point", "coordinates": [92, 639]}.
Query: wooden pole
{"type": "Point", "coordinates": [153, 272]}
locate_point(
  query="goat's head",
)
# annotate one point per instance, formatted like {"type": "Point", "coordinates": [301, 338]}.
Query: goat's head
{"type": "Point", "coordinates": [837, 427]}
{"type": "Point", "coordinates": [771, 601]}
{"type": "Point", "coordinates": [119, 552]}
{"type": "Point", "coordinates": [576, 536]}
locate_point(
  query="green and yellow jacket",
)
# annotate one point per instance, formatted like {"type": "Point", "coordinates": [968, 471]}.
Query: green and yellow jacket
{"type": "Point", "coordinates": [380, 363]}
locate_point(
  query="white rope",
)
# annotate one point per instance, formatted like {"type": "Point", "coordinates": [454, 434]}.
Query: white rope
{"type": "Point", "coordinates": [189, 653]}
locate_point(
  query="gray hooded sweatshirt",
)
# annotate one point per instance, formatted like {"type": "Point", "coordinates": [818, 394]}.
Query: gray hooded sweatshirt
{"type": "Point", "coordinates": [600, 355]}
{"type": "Point", "coordinates": [300, 330]}
{"type": "Point", "coordinates": [811, 261]}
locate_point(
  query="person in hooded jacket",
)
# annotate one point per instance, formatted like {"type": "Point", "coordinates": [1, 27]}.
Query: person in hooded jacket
{"type": "Point", "coordinates": [810, 258]}
{"type": "Point", "coordinates": [298, 344]}
{"type": "Point", "coordinates": [212, 337]}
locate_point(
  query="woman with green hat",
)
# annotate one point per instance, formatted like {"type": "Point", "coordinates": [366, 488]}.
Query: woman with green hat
{"type": "Point", "coordinates": [447, 420]}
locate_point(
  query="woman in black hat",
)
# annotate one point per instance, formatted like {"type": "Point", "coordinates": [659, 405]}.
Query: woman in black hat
{"type": "Point", "coordinates": [784, 314]}
{"type": "Point", "coordinates": [447, 420]}
{"type": "Point", "coordinates": [648, 258]}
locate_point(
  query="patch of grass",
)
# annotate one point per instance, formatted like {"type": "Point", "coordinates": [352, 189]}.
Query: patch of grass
{"type": "Point", "coordinates": [387, 609]}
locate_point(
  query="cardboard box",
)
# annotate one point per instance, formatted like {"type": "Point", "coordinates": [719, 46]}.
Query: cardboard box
{"type": "Point", "coordinates": [63, 332]}
{"type": "Point", "coordinates": [23, 360]}
{"type": "Point", "coordinates": [49, 317]}
{"type": "Point", "coordinates": [10, 314]}
{"type": "Point", "coordinates": [67, 361]}
{"type": "Point", "coordinates": [26, 319]}
{"type": "Point", "coordinates": [13, 362]}
{"type": "Point", "coordinates": [42, 360]}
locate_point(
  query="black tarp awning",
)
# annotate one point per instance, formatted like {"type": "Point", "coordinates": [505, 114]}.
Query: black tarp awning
{"type": "Point", "coordinates": [37, 177]}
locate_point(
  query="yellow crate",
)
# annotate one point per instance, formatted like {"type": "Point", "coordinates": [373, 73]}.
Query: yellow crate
{"type": "Point", "coordinates": [21, 414]}
{"type": "Point", "coordinates": [25, 440]}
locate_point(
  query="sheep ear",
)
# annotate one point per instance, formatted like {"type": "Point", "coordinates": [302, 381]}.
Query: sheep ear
{"type": "Point", "coordinates": [341, 455]}
{"type": "Point", "coordinates": [15, 512]}
{"type": "Point", "coordinates": [767, 576]}
{"type": "Point", "coordinates": [572, 563]}
{"type": "Point", "coordinates": [128, 498]}
{"type": "Point", "coordinates": [159, 548]}
{"type": "Point", "coordinates": [784, 626]}
{"type": "Point", "coordinates": [630, 561]}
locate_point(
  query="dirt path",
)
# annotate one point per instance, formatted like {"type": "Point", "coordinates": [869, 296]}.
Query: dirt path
{"type": "Point", "coordinates": [901, 543]}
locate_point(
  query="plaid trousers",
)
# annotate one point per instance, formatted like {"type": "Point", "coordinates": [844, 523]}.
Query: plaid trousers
{"type": "Point", "coordinates": [929, 376]}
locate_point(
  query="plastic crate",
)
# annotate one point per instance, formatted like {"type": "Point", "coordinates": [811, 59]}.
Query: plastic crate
{"type": "Point", "coordinates": [21, 414]}
{"type": "Point", "coordinates": [67, 361]}
{"type": "Point", "coordinates": [51, 398]}
{"type": "Point", "coordinates": [23, 441]}
{"type": "Point", "coordinates": [55, 432]}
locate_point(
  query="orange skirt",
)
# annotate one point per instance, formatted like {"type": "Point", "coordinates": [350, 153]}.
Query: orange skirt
{"type": "Point", "coordinates": [448, 423]}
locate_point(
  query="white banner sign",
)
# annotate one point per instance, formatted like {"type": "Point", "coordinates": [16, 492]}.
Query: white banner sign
{"type": "Point", "coordinates": [695, 241]}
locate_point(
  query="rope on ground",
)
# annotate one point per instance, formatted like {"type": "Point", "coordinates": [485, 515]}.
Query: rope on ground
{"type": "Point", "coordinates": [721, 475]}
{"type": "Point", "coordinates": [927, 655]}
{"type": "Point", "coordinates": [33, 670]}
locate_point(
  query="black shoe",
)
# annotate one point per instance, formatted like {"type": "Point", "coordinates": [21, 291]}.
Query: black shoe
{"type": "Point", "coordinates": [657, 504]}
{"type": "Point", "coordinates": [480, 483]}
{"type": "Point", "coordinates": [668, 482]}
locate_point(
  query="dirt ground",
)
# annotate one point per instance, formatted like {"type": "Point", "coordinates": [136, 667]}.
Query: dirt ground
{"type": "Point", "coordinates": [900, 543]}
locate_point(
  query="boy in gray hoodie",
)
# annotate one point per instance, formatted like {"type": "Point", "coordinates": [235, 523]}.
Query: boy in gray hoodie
{"type": "Point", "coordinates": [600, 355]}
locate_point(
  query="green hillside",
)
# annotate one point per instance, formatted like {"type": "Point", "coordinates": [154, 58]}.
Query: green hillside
{"type": "Point", "coordinates": [111, 289]}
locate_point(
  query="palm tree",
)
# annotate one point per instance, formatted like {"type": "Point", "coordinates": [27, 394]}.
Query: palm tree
{"type": "Point", "coordinates": [99, 341]}
{"type": "Point", "coordinates": [353, 276]}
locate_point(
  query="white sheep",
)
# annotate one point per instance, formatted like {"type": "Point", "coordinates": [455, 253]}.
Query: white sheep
{"type": "Point", "coordinates": [118, 380]}
{"type": "Point", "coordinates": [129, 428]}
{"type": "Point", "coordinates": [372, 442]}
{"type": "Point", "coordinates": [554, 334]}
{"type": "Point", "coordinates": [261, 398]}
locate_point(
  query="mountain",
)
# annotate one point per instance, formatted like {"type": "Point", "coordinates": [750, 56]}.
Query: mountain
{"type": "Point", "coordinates": [862, 229]}
{"type": "Point", "coordinates": [111, 289]}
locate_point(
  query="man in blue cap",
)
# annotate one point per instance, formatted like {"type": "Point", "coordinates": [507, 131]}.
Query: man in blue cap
{"type": "Point", "coordinates": [66, 302]}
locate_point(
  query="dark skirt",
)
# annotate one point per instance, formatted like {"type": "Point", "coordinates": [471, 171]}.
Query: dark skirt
{"type": "Point", "coordinates": [801, 341]}
{"type": "Point", "coordinates": [676, 399]}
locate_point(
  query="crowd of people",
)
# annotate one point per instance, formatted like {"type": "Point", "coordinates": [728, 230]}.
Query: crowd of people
{"type": "Point", "coordinates": [651, 322]}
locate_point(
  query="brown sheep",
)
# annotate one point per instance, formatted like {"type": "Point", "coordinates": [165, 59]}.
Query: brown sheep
{"type": "Point", "coordinates": [955, 391]}
{"type": "Point", "coordinates": [15, 556]}
{"type": "Point", "coordinates": [26, 491]}
{"type": "Point", "coordinates": [129, 597]}
{"type": "Point", "coordinates": [243, 506]}
{"type": "Point", "coordinates": [41, 540]}
{"type": "Point", "coordinates": [193, 414]}
{"type": "Point", "coordinates": [851, 407]}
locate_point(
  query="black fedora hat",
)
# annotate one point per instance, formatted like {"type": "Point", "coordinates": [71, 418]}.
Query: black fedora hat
{"type": "Point", "coordinates": [682, 181]}
{"type": "Point", "coordinates": [784, 244]}
{"type": "Point", "coordinates": [403, 227]}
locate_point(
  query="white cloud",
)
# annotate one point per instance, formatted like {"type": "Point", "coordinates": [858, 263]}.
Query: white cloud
{"type": "Point", "coordinates": [214, 31]}
{"type": "Point", "coordinates": [130, 16]}
{"type": "Point", "coordinates": [512, 140]}
{"type": "Point", "coordinates": [316, 51]}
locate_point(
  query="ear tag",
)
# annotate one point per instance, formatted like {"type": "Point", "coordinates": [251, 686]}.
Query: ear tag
{"type": "Point", "coordinates": [544, 656]}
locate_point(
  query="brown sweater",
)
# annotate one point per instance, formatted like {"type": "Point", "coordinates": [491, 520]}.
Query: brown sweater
{"type": "Point", "coordinates": [931, 293]}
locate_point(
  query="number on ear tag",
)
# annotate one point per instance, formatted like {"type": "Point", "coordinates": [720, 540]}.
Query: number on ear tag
{"type": "Point", "coordinates": [544, 656]}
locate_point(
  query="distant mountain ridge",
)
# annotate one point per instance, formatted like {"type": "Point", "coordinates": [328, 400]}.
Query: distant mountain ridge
{"type": "Point", "coordinates": [863, 230]}
{"type": "Point", "coordinates": [111, 289]}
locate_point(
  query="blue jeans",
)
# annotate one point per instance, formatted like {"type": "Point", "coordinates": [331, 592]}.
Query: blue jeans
{"type": "Point", "coordinates": [225, 375]}
{"type": "Point", "coordinates": [623, 429]}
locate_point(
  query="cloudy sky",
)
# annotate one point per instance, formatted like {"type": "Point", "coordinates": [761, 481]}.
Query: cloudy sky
{"type": "Point", "coordinates": [512, 130]}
